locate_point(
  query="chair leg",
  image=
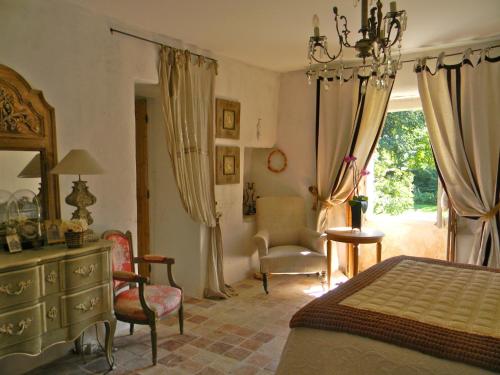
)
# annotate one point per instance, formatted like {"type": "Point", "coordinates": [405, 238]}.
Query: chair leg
{"type": "Point", "coordinates": [131, 329]}
{"type": "Point", "coordinates": [181, 319]}
{"type": "Point", "coordinates": [153, 341]}
{"type": "Point", "coordinates": [323, 277]}
{"type": "Point", "coordinates": [264, 282]}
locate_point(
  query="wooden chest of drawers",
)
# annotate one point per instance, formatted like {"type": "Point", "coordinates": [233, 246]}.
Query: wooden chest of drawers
{"type": "Point", "coordinates": [52, 294]}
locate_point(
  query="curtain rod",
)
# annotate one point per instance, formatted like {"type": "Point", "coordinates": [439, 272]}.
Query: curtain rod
{"type": "Point", "coordinates": [413, 60]}
{"type": "Point", "coordinates": [154, 42]}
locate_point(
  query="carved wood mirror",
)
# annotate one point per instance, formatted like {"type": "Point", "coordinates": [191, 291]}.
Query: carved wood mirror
{"type": "Point", "coordinates": [27, 142]}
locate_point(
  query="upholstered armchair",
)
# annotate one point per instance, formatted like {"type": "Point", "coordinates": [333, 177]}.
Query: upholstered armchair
{"type": "Point", "coordinates": [141, 302]}
{"type": "Point", "coordinates": [284, 242]}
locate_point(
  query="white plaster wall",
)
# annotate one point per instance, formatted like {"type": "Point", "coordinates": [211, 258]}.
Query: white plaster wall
{"type": "Point", "coordinates": [257, 90]}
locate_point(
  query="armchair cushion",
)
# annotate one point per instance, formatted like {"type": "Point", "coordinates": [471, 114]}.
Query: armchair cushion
{"type": "Point", "coordinates": [292, 259]}
{"type": "Point", "coordinates": [313, 240]}
{"type": "Point", "coordinates": [121, 256]}
{"type": "Point", "coordinates": [161, 299]}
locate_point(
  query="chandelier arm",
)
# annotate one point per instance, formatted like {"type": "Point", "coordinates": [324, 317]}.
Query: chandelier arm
{"type": "Point", "coordinates": [396, 25]}
{"type": "Point", "coordinates": [344, 34]}
{"type": "Point", "coordinates": [330, 57]}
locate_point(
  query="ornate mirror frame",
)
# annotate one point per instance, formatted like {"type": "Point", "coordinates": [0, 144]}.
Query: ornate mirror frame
{"type": "Point", "coordinates": [27, 123]}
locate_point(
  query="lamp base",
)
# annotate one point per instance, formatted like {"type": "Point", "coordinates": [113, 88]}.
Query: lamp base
{"type": "Point", "coordinates": [81, 198]}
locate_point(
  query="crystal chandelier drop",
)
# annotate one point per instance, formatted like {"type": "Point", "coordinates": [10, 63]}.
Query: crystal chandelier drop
{"type": "Point", "coordinates": [378, 35]}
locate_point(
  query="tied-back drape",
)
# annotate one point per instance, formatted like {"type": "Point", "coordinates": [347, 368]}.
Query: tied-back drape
{"type": "Point", "coordinates": [461, 105]}
{"type": "Point", "coordinates": [351, 119]}
{"type": "Point", "coordinates": [187, 86]}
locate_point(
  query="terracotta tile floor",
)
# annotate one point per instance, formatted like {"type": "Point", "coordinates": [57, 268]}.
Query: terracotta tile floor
{"type": "Point", "coordinates": [241, 335]}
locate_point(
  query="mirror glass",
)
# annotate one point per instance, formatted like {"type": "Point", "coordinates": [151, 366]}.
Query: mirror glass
{"type": "Point", "coordinates": [20, 171]}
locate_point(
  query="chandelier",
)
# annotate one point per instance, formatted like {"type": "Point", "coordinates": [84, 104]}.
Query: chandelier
{"type": "Point", "coordinates": [378, 35]}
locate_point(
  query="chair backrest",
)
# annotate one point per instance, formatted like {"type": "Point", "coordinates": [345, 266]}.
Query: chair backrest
{"type": "Point", "coordinates": [122, 253]}
{"type": "Point", "coordinates": [282, 217]}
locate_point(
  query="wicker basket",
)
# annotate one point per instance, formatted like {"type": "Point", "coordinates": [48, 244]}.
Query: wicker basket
{"type": "Point", "coordinates": [74, 239]}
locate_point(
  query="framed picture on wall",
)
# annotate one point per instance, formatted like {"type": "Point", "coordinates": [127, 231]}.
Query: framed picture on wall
{"type": "Point", "coordinates": [227, 114]}
{"type": "Point", "coordinates": [227, 165]}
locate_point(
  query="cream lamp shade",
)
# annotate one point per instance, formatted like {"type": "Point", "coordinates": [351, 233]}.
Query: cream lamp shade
{"type": "Point", "coordinates": [78, 162]}
{"type": "Point", "coordinates": [32, 169]}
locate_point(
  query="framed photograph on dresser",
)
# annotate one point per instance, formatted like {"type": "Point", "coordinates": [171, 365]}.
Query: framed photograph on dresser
{"type": "Point", "coordinates": [53, 232]}
{"type": "Point", "coordinates": [13, 243]}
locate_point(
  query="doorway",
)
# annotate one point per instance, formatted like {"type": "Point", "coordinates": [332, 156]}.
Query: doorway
{"type": "Point", "coordinates": [406, 199]}
{"type": "Point", "coordinates": [142, 173]}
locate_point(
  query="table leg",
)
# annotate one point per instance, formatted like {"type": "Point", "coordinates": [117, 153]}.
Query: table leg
{"type": "Point", "coordinates": [110, 333]}
{"type": "Point", "coordinates": [328, 262]}
{"type": "Point", "coordinates": [379, 252]}
{"type": "Point", "coordinates": [355, 259]}
{"type": "Point", "coordinates": [350, 260]}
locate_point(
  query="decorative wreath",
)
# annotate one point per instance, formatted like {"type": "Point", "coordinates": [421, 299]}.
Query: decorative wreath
{"type": "Point", "coordinates": [276, 154]}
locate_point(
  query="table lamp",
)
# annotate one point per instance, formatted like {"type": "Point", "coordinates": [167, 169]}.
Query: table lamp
{"type": "Point", "coordinates": [79, 162]}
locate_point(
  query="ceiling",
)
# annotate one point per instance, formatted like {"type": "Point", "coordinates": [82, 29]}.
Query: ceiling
{"type": "Point", "coordinates": [273, 34]}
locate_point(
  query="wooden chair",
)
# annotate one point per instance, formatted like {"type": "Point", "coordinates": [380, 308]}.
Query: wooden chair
{"type": "Point", "coordinates": [148, 303]}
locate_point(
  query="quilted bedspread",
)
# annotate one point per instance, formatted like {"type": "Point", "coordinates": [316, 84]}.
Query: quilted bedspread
{"type": "Point", "coordinates": [448, 310]}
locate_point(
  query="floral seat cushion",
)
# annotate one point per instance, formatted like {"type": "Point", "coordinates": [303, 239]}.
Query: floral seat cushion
{"type": "Point", "coordinates": [161, 299]}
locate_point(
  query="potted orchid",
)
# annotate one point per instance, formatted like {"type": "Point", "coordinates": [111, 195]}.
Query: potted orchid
{"type": "Point", "coordinates": [358, 203]}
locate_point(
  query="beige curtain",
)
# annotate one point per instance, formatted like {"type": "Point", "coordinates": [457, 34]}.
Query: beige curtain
{"type": "Point", "coordinates": [352, 116]}
{"type": "Point", "coordinates": [187, 86]}
{"type": "Point", "coordinates": [461, 104]}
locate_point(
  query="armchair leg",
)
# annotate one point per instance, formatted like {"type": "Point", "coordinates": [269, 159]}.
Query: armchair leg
{"type": "Point", "coordinates": [181, 319]}
{"type": "Point", "coordinates": [153, 342]}
{"type": "Point", "coordinates": [131, 329]}
{"type": "Point", "coordinates": [264, 282]}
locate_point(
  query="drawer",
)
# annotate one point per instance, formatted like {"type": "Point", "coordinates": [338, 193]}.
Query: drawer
{"type": "Point", "coordinates": [85, 270]}
{"type": "Point", "coordinates": [51, 278]}
{"type": "Point", "coordinates": [19, 286]}
{"type": "Point", "coordinates": [21, 325]}
{"type": "Point", "coordinates": [81, 306]}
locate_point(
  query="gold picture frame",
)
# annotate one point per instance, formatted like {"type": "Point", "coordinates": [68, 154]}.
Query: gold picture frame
{"type": "Point", "coordinates": [53, 232]}
{"type": "Point", "coordinates": [227, 115]}
{"type": "Point", "coordinates": [227, 165]}
{"type": "Point", "coordinates": [13, 243]}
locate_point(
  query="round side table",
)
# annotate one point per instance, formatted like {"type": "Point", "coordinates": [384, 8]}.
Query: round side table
{"type": "Point", "coordinates": [354, 237]}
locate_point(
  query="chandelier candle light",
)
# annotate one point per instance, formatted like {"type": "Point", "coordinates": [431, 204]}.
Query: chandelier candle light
{"type": "Point", "coordinates": [378, 34]}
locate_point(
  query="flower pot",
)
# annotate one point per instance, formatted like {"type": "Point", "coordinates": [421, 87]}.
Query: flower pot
{"type": "Point", "coordinates": [74, 240]}
{"type": "Point", "coordinates": [358, 207]}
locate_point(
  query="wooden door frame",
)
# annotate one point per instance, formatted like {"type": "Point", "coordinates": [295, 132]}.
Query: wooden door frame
{"type": "Point", "coordinates": [142, 183]}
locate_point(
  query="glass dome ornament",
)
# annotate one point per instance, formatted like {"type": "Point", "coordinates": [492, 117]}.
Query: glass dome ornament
{"type": "Point", "coordinates": [4, 217]}
{"type": "Point", "coordinates": [23, 210]}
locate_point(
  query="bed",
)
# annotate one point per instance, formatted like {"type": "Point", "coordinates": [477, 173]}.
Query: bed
{"type": "Point", "coordinates": [406, 315]}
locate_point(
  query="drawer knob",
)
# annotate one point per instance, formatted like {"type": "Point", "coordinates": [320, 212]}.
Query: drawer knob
{"type": "Point", "coordinates": [86, 270]}
{"type": "Point", "coordinates": [52, 313]}
{"type": "Point", "coordinates": [21, 287]}
{"type": "Point", "coordinates": [51, 277]}
{"type": "Point", "coordinates": [83, 307]}
{"type": "Point", "coordinates": [8, 328]}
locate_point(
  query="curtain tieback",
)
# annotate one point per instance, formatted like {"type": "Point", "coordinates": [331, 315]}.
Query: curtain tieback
{"type": "Point", "coordinates": [325, 204]}
{"type": "Point", "coordinates": [489, 215]}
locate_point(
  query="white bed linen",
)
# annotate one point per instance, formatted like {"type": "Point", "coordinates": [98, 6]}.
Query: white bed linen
{"type": "Point", "coordinates": [316, 352]}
